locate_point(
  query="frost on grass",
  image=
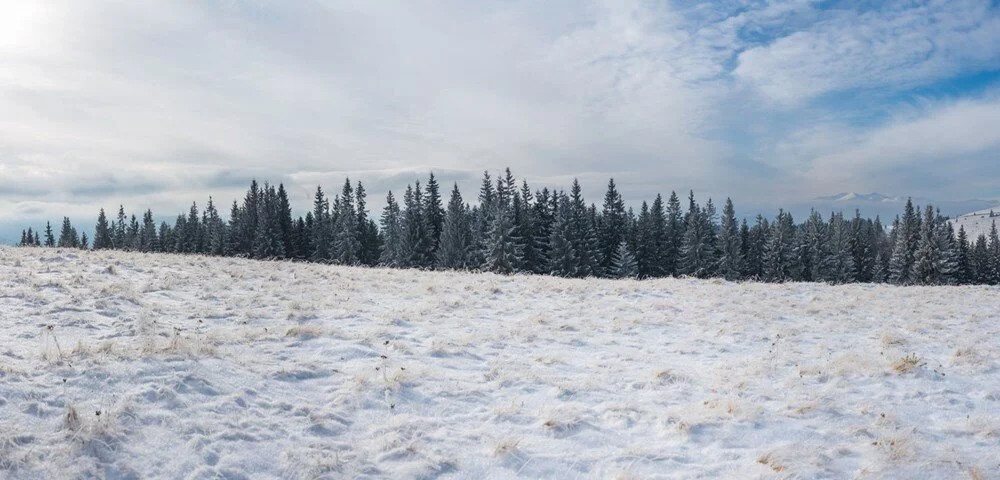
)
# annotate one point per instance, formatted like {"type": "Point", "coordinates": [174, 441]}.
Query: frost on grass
{"type": "Point", "coordinates": [149, 366]}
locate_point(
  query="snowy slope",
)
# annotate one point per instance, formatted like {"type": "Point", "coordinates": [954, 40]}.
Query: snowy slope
{"type": "Point", "coordinates": [977, 223]}
{"type": "Point", "coordinates": [226, 368]}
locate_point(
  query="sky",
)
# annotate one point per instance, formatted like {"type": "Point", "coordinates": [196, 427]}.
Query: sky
{"type": "Point", "coordinates": [157, 104]}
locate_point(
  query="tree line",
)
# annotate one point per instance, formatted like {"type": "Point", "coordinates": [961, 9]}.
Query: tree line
{"type": "Point", "coordinates": [516, 229]}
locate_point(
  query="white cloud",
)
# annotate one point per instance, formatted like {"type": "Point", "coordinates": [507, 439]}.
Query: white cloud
{"type": "Point", "coordinates": [892, 47]}
{"type": "Point", "coordinates": [184, 100]}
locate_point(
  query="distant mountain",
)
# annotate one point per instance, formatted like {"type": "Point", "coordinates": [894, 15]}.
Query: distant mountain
{"type": "Point", "coordinates": [859, 197]}
{"type": "Point", "coordinates": [873, 204]}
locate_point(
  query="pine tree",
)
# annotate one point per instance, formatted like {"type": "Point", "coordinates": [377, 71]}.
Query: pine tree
{"type": "Point", "coordinates": [346, 238]}
{"type": "Point", "coordinates": [50, 239]}
{"type": "Point", "coordinates": [132, 234]}
{"type": "Point", "coordinates": [102, 232]}
{"type": "Point", "coordinates": [543, 216]}
{"type": "Point", "coordinates": [838, 264]}
{"type": "Point", "coordinates": [582, 233]}
{"type": "Point", "coordinates": [612, 227]}
{"type": "Point", "coordinates": [434, 212]}
{"type": "Point", "coordinates": [502, 251]}
{"type": "Point", "coordinates": [731, 249]}
{"type": "Point", "coordinates": [778, 265]}
{"type": "Point", "coordinates": [120, 242]}
{"type": "Point", "coordinates": [320, 233]}
{"type": "Point", "coordinates": [668, 230]}
{"type": "Point", "coordinates": [393, 251]}
{"type": "Point", "coordinates": [84, 241]}
{"type": "Point", "coordinates": [234, 231]}
{"type": "Point", "coordinates": [285, 222]}
{"type": "Point", "coordinates": [456, 235]}
{"type": "Point", "coordinates": [215, 229]}
{"type": "Point", "coordinates": [563, 260]}
{"type": "Point", "coordinates": [947, 264]}
{"type": "Point", "coordinates": [623, 264]}
{"type": "Point", "coordinates": [166, 238]}
{"type": "Point", "coordinates": [418, 244]}
{"type": "Point", "coordinates": [482, 219]}
{"type": "Point", "coordinates": [646, 252]}
{"type": "Point", "coordinates": [267, 239]}
{"type": "Point", "coordinates": [526, 231]}
{"type": "Point", "coordinates": [367, 230]}
{"type": "Point", "coordinates": [901, 262]}
{"type": "Point", "coordinates": [696, 254]}
{"type": "Point", "coordinates": [963, 267]}
{"type": "Point", "coordinates": [992, 266]}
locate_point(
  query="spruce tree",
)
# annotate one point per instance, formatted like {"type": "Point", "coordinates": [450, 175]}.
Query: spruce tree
{"type": "Point", "coordinates": [963, 270]}
{"type": "Point", "coordinates": [612, 227]}
{"type": "Point", "coordinates": [434, 212]}
{"type": "Point", "coordinates": [456, 235]}
{"type": "Point", "coordinates": [285, 222]}
{"type": "Point", "coordinates": [730, 247]}
{"type": "Point", "coordinates": [901, 262]}
{"type": "Point", "coordinates": [393, 251]}
{"type": "Point", "coordinates": [623, 264]}
{"type": "Point", "coordinates": [120, 242]}
{"type": "Point", "coordinates": [670, 235]}
{"type": "Point", "coordinates": [992, 273]}
{"type": "Point", "coordinates": [563, 260]}
{"type": "Point", "coordinates": [346, 237]}
{"type": "Point", "coordinates": [102, 232]}
{"type": "Point", "coordinates": [779, 252]}
{"type": "Point", "coordinates": [320, 233]}
{"type": "Point", "coordinates": [502, 253]}
{"type": "Point", "coordinates": [50, 239]}
{"type": "Point", "coordinates": [84, 241]}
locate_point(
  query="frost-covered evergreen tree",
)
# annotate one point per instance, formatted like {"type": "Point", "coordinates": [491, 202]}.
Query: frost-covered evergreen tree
{"type": "Point", "coordinates": [812, 250]}
{"type": "Point", "coordinates": [102, 232]}
{"type": "Point", "coordinates": [84, 241]}
{"type": "Point", "coordinates": [346, 236]}
{"type": "Point", "coordinates": [906, 235]}
{"type": "Point", "coordinates": [215, 229]}
{"type": "Point", "coordinates": [563, 260]}
{"type": "Point", "coordinates": [147, 233]}
{"type": "Point", "coordinates": [838, 264]}
{"type": "Point", "coordinates": [502, 253]}
{"type": "Point", "coordinates": [623, 264]}
{"type": "Point", "coordinates": [434, 212]}
{"type": "Point", "coordinates": [730, 247]}
{"type": "Point", "coordinates": [670, 235]}
{"type": "Point", "coordinates": [963, 268]}
{"type": "Point", "coordinates": [456, 235]}
{"type": "Point", "coordinates": [612, 227]}
{"type": "Point", "coordinates": [992, 270]}
{"type": "Point", "coordinates": [526, 231]}
{"type": "Point", "coordinates": [418, 244]}
{"type": "Point", "coordinates": [267, 240]}
{"type": "Point", "coordinates": [697, 248]}
{"type": "Point", "coordinates": [321, 228]}
{"type": "Point", "coordinates": [119, 230]}
{"type": "Point", "coordinates": [778, 257]}
{"type": "Point", "coordinates": [393, 251]}
{"type": "Point", "coordinates": [50, 239]}
{"type": "Point", "coordinates": [67, 235]}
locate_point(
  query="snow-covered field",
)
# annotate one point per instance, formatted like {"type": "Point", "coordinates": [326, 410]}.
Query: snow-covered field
{"type": "Point", "coordinates": [117, 365]}
{"type": "Point", "coordinates": [977, 223]}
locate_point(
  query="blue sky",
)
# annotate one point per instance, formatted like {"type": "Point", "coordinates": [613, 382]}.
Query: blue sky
{"type": "Point", "coordinates": [161, 103]}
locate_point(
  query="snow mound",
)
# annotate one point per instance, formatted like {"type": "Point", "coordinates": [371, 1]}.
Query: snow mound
{"type": "Point", "coordinates": [193, 367]}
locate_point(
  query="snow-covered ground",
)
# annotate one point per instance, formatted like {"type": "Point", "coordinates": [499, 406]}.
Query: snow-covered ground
{"type": "Point", "coordinates": [117, 365]}
{"type": "Point", "coordinates": [977, 223]}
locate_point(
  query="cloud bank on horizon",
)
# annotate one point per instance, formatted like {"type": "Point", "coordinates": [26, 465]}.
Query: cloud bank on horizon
{"type": "Point", "coordinates": [160, 103]}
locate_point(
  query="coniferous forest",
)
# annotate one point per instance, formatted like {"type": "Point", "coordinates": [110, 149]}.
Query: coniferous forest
{"type": "Point", "coordinates": [513, 229]}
